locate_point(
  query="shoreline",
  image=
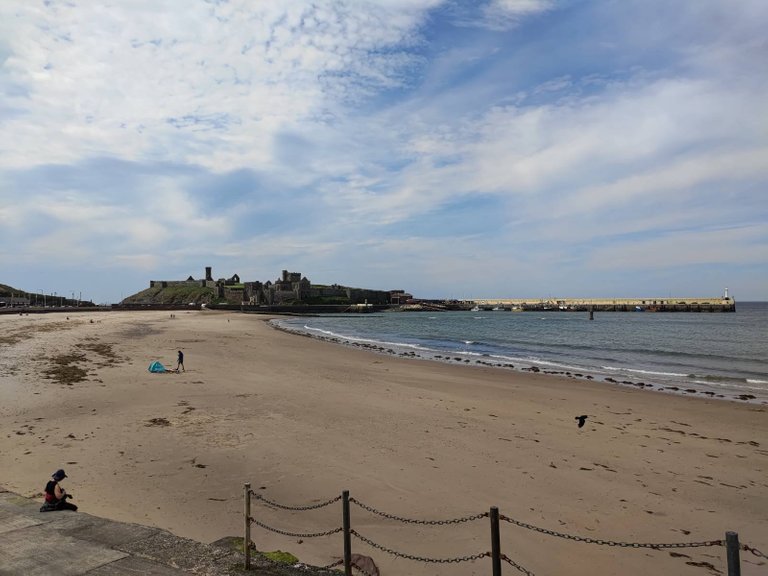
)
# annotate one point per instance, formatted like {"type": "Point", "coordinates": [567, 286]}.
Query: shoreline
{"type": "Point", "coordinates": [303, 419]}
{"type": "Point", "coordinates": [447, 358]}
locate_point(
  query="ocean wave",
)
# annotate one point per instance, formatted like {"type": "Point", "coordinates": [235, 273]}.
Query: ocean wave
{"type": "Point", "coordinates": [643, 352]}
{"type": "Point", "coordinates": [639, 371]}
{"type": "Point", "coordinates": [716, 379]}
{"type": "Point", "coordinates": [736, 385]}
{"type": "Point", "coordinates": [321, 331]}
{"type": "Point", "coordinates": [710, 377]}
{"type": "Point", "coordinates": [340, 336]}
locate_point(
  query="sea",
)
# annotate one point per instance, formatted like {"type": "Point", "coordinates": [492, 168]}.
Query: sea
{"type": "Point", "coordinates": [718, 355]}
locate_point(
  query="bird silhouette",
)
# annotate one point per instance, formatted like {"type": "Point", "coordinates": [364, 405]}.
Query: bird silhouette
{"type": "Point", "coordinates": [581, 420]}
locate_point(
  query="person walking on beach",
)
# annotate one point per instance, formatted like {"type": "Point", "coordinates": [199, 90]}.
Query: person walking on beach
{"type": "Point", "coordinates": [55, 495]}
{"type": "Point", "coordinates": [180, 362]}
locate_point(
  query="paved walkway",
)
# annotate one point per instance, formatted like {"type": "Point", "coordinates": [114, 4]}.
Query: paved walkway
{"type": "Point", "coordinates": [34, 543]}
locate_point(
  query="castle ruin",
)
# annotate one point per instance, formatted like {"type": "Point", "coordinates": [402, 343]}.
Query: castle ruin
{"type": "Point", "coordinates": [290, 288]}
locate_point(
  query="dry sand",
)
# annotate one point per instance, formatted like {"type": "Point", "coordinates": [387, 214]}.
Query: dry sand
{"type": "Point", "coordinates": [303, 420]}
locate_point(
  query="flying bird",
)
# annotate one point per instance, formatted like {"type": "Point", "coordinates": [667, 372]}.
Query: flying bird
{"type": "Point", "coordinates": [581, 420]}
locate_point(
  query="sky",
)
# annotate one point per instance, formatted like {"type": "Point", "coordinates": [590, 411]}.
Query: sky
{"type": "Point", "coordinates": [452, 149]}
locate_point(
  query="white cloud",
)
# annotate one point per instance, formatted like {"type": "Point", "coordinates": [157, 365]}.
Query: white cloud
{"type": "Point", "coordinates": [678, 177]}
{"type": "Point", "coordinates": [520, 7]}
{"type": "Point", "coordinates": [582, 155]}
{"type": "Point", "coordinates": [157, 80]}
{"type": "Point", "coordinates": [729, 246]}
{"type": "Point", "coordinates": [504, 14]}
{"type": "Point", "coordinates": [143, 262]}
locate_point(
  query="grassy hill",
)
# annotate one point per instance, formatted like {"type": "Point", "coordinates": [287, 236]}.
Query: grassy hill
{"type": "Point", "coordinates": [37, 299]}
{"type": "Point", "coordinates": [10, 290]}
{"type": "Point", "coordinates": [172, 295]}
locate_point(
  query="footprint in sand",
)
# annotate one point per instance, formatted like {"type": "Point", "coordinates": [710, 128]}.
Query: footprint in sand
{"type": "Point", "coordinates": [678, 555]}
{"type": "Point", "coordinates": [158, 422]}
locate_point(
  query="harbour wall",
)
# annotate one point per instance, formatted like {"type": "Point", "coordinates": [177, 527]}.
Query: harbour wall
{"type": "Point", "coordinates": [719, 304]}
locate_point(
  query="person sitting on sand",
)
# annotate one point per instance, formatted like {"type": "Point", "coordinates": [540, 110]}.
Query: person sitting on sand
{"type": "Point", "coordinates": [55, 495]}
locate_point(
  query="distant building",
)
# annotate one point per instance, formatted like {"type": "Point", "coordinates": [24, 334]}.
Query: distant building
{"type": "Point", "coordinates": [13, 301]}
{"type": "Point", "coordinates": [399, 297]}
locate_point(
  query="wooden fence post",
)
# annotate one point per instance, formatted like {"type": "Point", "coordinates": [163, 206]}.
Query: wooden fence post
{"type": "Point", "coordinates": [347, 535]}
{"type": "Point", "coordinates": [732, 553]}
{"type": "Point", "coordinates": [495, 542]}
{"type": "Point", "coordinates": [247, 537]}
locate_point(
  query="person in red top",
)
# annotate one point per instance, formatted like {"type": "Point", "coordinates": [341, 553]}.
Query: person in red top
{"type": "Point", "coordinates": [55, 495]}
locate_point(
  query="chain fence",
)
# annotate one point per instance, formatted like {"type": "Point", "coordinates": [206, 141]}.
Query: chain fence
{"type": "Point", "coordinates": [730, 542]}
{"type": "Point", "coordinates": [516, 566]}
{"type": "Point", "coordinates": [426, 559]}
{"type": "Point", "coordinates": [297, 534]}
{"type": "Point", "coordinates": [600, 542]}
{"type": "Point", "coordinates": [754, 551]}
{"type": "Point", "coordinates": [353, 500]}
{"type": "Point", "coordinates": [294, 508]}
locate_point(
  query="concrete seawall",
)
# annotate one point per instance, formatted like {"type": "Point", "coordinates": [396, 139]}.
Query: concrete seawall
{"type": "Point", "coordinates": [34, 543]}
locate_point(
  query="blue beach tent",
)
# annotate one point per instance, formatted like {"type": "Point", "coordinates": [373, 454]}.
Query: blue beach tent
{"type": "Point", "coordinates": [156, 367]}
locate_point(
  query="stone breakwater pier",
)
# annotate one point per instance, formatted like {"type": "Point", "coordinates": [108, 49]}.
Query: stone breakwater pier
{"type": "Point", "coordinates": [718, 304]}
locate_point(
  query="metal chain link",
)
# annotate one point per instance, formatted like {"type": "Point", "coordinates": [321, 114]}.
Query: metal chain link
{"type": "Point", "coordinates": [296, 534]}
{"type": "Point", "coordinates": [600, 542]}
{"type": "Point", "coordinates": [413, 521]}
{"type": "Point", "coordinates": [754, 551]}
{"type": "Point", "coordinates": [419, 558]}
{"type": "Point", "coordinates": [284, 507]}
{"type": "Point", "coordinates": [514, 564]}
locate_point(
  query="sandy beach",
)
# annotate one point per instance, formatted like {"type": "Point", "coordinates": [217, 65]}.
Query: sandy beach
{"type": "Point", "coordinates": [302, 420]}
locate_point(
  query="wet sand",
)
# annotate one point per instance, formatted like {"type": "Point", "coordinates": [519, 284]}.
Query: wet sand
{"type": "Point", "coordinates": [302, 420]}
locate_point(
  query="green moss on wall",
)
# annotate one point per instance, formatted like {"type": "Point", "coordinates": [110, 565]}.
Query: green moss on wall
{"type": "Point", "coordinates": [282, 557]}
